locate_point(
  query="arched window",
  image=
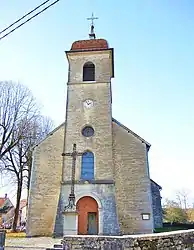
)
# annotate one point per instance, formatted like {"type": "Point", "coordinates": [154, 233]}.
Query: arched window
{"type": "Point", "coordinates": [87, 168]}
{"type": "Point", "coordinates": [89, 72]}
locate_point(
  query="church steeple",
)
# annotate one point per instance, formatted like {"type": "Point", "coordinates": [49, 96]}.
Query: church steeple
{"type": "Point", "coordinates": [92, 34]}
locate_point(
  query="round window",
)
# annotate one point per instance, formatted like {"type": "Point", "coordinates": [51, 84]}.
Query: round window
{"type": "Point", "coordinates": [88, 131]}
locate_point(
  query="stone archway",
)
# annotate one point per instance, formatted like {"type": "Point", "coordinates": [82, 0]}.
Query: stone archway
{"type": "Point", "coordinates": [88, 216]}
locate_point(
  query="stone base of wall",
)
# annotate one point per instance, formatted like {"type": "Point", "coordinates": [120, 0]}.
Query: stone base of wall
{"type": "Point", "coordinates": [180, 240]}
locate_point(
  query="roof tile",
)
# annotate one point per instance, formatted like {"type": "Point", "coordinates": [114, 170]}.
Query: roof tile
{"type": "Point", "coordinates": [92, 44]}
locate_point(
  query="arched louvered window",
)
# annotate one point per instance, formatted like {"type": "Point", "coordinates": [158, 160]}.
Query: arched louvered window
{"type": "Point", "coordinates": [89, 72]}
{"type": "Point", "coordinates": [87, 167]}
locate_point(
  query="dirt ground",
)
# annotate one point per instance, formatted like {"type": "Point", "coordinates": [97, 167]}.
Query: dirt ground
{"type": "Point", "coordinates": [30, 243]}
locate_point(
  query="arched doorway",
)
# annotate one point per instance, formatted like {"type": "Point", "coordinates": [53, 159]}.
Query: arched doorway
{"type": "Point", "coordinates": [87, 215]}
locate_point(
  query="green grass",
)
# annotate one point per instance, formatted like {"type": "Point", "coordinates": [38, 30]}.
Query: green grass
{"type": "Point", "coordinates": [168, 229]}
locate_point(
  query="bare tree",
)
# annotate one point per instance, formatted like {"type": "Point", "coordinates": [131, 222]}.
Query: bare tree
{"type": "Point", "coordinates": [21, 128]}
{"type": "Point", "coordinates": [18, 160]}
{"type": "Point", "coordinates": [183, 198]}
{"type": "Point", "coordinates": [14, 165]}
{"type": "Point", "coordinates": [16, 104]}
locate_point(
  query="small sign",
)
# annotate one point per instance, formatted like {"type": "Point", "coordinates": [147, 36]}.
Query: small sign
{"type": "Point", "coordinates": [146, 216]}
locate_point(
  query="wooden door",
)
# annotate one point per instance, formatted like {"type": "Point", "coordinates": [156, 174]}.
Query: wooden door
{"type": "Point", "coordinates": [87, 209]}
{"type": "Point", "coordinates": [92, 223]}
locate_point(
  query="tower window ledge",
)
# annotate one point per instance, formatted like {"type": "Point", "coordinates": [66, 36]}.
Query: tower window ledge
{"type": "Point", "coordinates": [83, 82]}
{"type": "Point", "coordinates": [89, 81]}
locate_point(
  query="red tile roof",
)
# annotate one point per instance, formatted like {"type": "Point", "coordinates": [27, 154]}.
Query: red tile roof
{"type": "Point", "coordinates": [2, 201]}
{"type": "Point", "coordinates": [91, 44]}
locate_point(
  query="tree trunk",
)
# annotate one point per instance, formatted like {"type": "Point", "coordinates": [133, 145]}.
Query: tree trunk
{"type": "Point", "coordinates": [17, 209]}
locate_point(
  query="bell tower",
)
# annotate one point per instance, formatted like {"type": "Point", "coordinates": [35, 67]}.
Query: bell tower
{"type": "Point", "coordinates": [88, 126]}
{"type": "Point", "coordinates": [89, 107]}
{"type": "Point", "coordinates": [88, 189]}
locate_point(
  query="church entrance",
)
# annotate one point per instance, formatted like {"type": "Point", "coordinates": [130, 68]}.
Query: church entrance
{"type": "Point", "coordinates": [87, 216]}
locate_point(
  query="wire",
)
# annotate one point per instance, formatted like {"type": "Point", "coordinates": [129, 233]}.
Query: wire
{"type": "Point", "coordinates": [29, 19]}
{"type": "Point", "coordinates": [24, 16]}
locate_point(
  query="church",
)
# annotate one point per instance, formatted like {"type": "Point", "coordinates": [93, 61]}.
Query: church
{"type": "Point", "coordinates": [91, 174]}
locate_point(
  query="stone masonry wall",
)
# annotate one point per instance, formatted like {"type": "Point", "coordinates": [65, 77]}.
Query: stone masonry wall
{"type": "Point", "coordinates": [99, 116]}
{"type": "Point", "coordinates": [45, 185]}
{"type": "Point", "coordinates": [179, 240]}
{"type": "Point", "coordinates": [157, 207]}
{"type": "Point", "coordinates": [104, 194]}
{"type": "Point", "coordinates": [102, 61]}
{"type": "Point", "coordinates": [132, 182]}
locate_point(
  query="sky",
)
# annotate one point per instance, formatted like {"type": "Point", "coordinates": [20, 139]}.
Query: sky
{"type": "Point", "coordinates": [153, 86]}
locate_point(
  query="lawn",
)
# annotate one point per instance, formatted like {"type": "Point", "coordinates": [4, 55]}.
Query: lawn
{"type": "Point", "coordinates": [168, 229]}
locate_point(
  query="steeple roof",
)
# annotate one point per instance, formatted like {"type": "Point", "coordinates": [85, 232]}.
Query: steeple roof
{"type": "Point", "coordinates": [92, 44]}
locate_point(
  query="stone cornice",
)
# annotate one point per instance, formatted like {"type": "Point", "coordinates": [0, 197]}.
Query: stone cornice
{"type": "Point", "coordinates": [89, 182]}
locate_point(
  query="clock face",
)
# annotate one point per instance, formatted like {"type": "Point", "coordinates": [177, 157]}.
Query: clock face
{"type": "Point", "coordinates": [88, 103]}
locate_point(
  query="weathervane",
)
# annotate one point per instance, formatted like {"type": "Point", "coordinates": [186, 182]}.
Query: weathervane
{"type": "Point", "coordinates": [92, 35]}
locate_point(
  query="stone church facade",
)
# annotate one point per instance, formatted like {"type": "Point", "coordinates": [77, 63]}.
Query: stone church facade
{"type": "Point", "coordinates": [113, 190]}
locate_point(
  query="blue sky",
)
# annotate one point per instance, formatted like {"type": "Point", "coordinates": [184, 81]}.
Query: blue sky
{"type": "Point", "coordinates": [153, 86]}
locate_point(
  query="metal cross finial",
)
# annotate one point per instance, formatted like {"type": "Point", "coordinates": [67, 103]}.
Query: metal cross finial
{"type": "Point", "coordinates": [92, 18]}
{"type": "Point", "coordinates": [92, 34]}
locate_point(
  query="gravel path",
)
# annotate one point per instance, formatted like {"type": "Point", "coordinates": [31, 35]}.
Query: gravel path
{"type": "Point", "coordinates": [30, 243]}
